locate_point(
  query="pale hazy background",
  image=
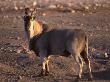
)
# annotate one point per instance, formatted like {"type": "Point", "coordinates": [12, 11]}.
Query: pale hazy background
{"type": "Point", "coordinates": [6, 4]}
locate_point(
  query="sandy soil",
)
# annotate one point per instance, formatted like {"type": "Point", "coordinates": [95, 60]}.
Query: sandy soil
{"type": "Point", "coordinates": [16, 66]}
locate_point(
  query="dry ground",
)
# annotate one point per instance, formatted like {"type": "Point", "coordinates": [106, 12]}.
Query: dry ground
{"type": "Point", "coordinates": [16, 66]}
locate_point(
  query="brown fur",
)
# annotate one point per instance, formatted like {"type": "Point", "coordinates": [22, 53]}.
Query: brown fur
{"type": "Point", "coordinates": [63, 42]}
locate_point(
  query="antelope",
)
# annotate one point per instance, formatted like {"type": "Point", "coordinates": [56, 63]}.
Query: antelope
{"type": "Point", "coordinates": [61, 42]}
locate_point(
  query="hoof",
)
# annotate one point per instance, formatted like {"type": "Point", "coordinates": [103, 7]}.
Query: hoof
{"type": "Point", "coordinates": [40, 75]}
{"type": "Point", "coordinates": [47, 73]}
{"type": "Point", "coordinates": [44, 73]}
{"type": "Point", "coordinates": [90, 79]}
{"type": "Point", "coordinates": [77, 79]}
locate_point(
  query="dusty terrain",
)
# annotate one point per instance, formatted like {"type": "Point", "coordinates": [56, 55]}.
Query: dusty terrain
{"type": "Point", "coordinates": [17, 66]}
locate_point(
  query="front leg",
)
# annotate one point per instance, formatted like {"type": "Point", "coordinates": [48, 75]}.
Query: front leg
{"type": "Point", "coordinates": [45, 67]}
{"type": "Point", "coordinates": [44, 61]}
{"type": "Point", "coordinates": [43, 71]}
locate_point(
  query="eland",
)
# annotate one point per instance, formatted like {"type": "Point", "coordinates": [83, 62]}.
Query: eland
{"type": "Point", "coordinates": [62, 42]}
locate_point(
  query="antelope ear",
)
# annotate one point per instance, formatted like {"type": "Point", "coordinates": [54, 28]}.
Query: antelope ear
{"type": "Point", "coordinates": [27, 11]}
{"type": "Point", "coordinates": [35, 10]}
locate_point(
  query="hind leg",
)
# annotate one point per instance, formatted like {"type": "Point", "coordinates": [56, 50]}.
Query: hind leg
{"type": "Point", "coordinates": [89, 68]}
{"type": "Point", "coordinates": [81, 67]}
{"type": "Point", "coordinates": [87, 61]}
{"type": "Point", "coordinates": [79, 62]}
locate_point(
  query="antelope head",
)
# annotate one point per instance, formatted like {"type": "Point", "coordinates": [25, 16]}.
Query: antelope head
{"type": "Point", "coordinates": [32, 27]}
